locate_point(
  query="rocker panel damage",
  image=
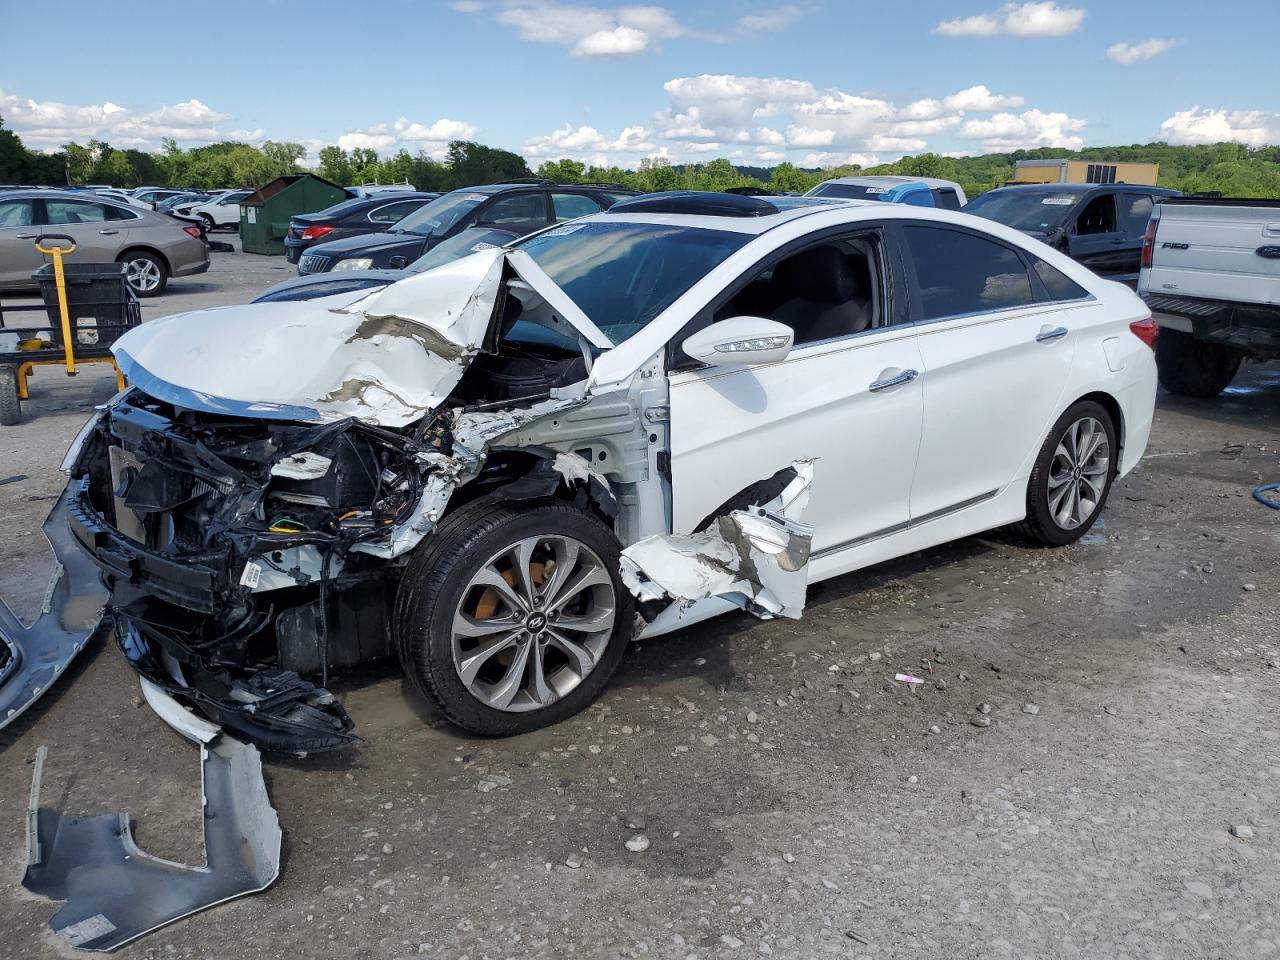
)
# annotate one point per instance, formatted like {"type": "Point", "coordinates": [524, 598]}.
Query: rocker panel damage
{"type": "Point", "coordinates": [757, 558]}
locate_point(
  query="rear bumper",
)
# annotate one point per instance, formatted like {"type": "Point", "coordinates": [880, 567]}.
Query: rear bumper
{"type": "Point", "coordinates": [192, 269]}
{"type": "Point", "coordinates": [1252, 328]}
{"type": "Point", "coordinates": [293, 248]}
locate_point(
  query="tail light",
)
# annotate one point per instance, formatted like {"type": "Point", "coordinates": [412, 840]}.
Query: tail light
{"type": "Point", "coordinates": [1149, 242]}
{"type": "Point", "coordinates": [193, 231]}
{"type": "Point", "coordinates": [315, 233]}
{"type": "Point", "coordinates": [1146, 331]}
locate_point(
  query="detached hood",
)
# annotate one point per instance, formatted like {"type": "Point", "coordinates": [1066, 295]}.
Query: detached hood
{"type": "Point", "coordinates": [387, 357]}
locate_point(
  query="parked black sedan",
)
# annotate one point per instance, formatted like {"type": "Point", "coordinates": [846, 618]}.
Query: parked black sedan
{"type": "Point", "coordinates": [315, 285]}
{"type": "Point", "coordinates": [351, 218]}
{"type": "Point", "coordinates": [520, 207]}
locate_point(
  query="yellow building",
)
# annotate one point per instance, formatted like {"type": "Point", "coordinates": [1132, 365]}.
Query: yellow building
{"type": "Point", "coordinates": [1084, 171]}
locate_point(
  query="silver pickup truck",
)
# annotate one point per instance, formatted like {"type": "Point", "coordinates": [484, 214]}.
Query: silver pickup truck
{"type": "Point", "coordinates": [1211, 276]}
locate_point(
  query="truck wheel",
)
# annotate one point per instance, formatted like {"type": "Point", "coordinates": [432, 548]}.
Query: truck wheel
{"type": "Point", "coordinates": [10, 407]}
{"type": "Point", "coordinates": [1194, 368]}
{"type": "Point", "coordinates": [511, 617]}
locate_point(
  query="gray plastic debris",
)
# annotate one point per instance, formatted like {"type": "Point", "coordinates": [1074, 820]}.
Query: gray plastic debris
{"type": "Point", "coordinates": [32, 658]}
{"type": "Point", "coordinates": [114, 892]}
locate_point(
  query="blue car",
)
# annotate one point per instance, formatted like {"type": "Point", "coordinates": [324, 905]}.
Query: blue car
{"type": "Point", "coordinates": [913, 191]}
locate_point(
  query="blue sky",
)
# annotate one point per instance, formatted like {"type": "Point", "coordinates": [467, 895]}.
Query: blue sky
{"type": "Point", "coordinates": [759, 81]}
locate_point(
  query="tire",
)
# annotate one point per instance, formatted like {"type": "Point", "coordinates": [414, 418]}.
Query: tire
{"type": "Point", "coordinates": [1051, 520]}
{"type": "Point", "coordinates": [1194, 368]}
{"type": "Point", "coordinates": [10, 406]}
{"type": "Point", "coordinates": [440, 590]}
{"type": "Point", "coordinates": [209, 224]}
{"type": "Point", "coordinates": [148, 273]}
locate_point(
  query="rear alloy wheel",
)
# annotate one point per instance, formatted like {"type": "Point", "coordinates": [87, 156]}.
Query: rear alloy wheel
{"type": "Point", "coordinates": [511, 618]}
{"type": "Point", "coordinates": [147, 273]}
{"type": "Point", "coordinates": [1072, 476]}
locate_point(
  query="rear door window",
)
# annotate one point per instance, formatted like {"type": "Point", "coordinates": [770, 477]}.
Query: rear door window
{"type": "Point", "coordinates": [570, 206]}
{"type": "Point", "coordinates": [960, 273]}
{"type": "Point", "coordinates": [65, 212]}
{"type": "Point", "coordinates": [1135, 211]}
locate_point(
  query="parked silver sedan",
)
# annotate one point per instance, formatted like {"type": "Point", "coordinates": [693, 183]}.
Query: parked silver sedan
{"type": "Point", "coordinates": [154, 245]}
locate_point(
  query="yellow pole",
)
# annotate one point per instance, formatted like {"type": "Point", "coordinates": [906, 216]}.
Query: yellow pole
{"type": "Point", "coordinates": [61, 283]}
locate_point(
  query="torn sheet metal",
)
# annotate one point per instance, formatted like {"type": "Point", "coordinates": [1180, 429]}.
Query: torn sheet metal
{"type": "Point", "coordinates": [757, 557]}
{"type": "Point", "coordinates": [388, 358]}
{"type": "Point", "coordinates": [32, 658]}
{"type": "Point", "coordinates": [114, 892]}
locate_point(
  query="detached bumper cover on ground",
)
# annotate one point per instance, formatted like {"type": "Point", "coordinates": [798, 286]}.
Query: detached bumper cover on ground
{"type": "Point", "coordinates": [32, 658]}
{"type": "Point", "coordinates": [114, 891]}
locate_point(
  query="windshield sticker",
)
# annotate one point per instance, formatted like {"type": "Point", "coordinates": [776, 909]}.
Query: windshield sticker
{"type": "Point", "coordinates": [477, 247]}
{"type": "Point", "coordinates": [477, 197]}
{"type": "Point", "coordinates": [1059, 201]}
{"type": "Point", "coordinates": [564, 231]}
{"type": "Point", "coordinates": [875, 189]}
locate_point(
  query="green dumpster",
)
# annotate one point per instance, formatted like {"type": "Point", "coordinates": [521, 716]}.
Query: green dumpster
{"type": "Point", "coordinates": [265, 213]}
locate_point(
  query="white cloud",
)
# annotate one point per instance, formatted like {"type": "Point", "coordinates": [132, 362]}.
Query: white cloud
{"type": "Point", "coordinates": [254, 137]}
{"type": "Point", "coordinates": [1255, 128]}
{"type": "Point", "coordinates": [1130, 53]}
{"type": "Point", "coordinates": [618, 42]}
{"type": "Point", "coordinates": [589, 144]}
{"type": "Point", "coordinates": [759, 116]}
{"type": "Point", "coordinates": [48, 124]}
{"type": "Point", "coordinates": [621, 31]}
{"type": "Point", "coordinates": [1032, 128]}
{"type": "Point", "coordinates": [411, 135]}
{"type": "Point", "coordinates": [1040, 19]}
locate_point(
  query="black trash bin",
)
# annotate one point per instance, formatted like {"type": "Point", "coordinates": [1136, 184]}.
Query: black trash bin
{"type": "Point", "coordinates": [100, 305]}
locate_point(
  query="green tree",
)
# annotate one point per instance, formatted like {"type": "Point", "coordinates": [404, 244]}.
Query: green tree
{"type": "Point", "coordinates": [563, 171]}
{"type": "Point", "coordinates": [787, 178]}
{"type": "Point", "coordinates": [335, 165]}
{"type": "Point", "coordinates": [474, 163]}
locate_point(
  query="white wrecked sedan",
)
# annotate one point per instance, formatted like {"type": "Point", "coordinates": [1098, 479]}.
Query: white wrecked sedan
{"type": "Point", "coordinates": [504, 469]}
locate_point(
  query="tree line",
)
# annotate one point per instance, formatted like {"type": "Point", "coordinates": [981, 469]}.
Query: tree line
{"type": "Point", "coordinates": [1231, 168]}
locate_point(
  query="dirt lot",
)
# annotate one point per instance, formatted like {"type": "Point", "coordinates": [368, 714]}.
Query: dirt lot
{"type": "Point", "coordinates": [799, 803]}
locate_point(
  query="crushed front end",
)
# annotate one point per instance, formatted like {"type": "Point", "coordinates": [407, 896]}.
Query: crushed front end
{"type": "Point", "coordinates": [241, 553]}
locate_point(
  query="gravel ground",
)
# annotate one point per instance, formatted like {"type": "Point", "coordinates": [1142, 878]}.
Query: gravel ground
{"type": "Point", "coordinates": [1093, 723]}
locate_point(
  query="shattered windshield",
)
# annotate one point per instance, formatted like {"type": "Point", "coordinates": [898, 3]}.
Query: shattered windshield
{"type": "Point", "coordinates": [1024, 209]}
{"type": "Point", "coordinates": [622, 275]}
{"type": "Point", "coordinates": [441, 213]}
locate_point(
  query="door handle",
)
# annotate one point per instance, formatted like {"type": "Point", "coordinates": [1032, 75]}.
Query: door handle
{"type": "Point", "coordinates": [1117, 240]}
{"type": "Point", "coordinates": [906, 376]}
{"type": "Point", "coordinates": [1049, 336]}
{"type": "Point", "coordinates": [108, 233]}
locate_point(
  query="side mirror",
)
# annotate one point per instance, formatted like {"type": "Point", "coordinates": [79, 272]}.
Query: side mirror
{"type": "Point", "coordinates": [740, 340]}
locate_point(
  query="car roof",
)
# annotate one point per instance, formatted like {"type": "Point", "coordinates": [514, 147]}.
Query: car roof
{"type": "Point", "coordinates": [43, 192]}
{"type": "Point", "coordinates": [788, 209]}
{"type": "Point", "coordinates": [1084, 187]}
{"type": "Point", "coordinates": [890, 180]}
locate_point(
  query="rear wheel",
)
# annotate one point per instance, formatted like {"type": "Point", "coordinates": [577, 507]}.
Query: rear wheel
{"type": "Point", "coordinates": [1072, 476]}
{"type": "Point", "coordinates": [511, 618]}
{"type": "Point", "coordinates": [1194, 368]}
{"type": "Point", "coordinates": [10, 406]}
{"type": "Point", "coordinates": [148, 275]}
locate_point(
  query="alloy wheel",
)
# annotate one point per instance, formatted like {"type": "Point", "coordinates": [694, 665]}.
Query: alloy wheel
{"type": "Point", "coordinates": [143, 274]}
{"type": "Point", "coordinates": [1078, 473]}
{"type": "Point", "coordinates": [533, 622]}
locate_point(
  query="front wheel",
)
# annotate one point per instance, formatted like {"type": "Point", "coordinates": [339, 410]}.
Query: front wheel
{"type": "Point", "coordinates": [511, 618]}
{"type": "Point", "coordinates": [1072, 476]}
{"type": "Point", "coordinates": [209, 225]}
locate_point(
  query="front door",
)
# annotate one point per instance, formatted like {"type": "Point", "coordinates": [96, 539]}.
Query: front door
{"type": "Point", "coordinates": [849, 395]}
{"type": "Point", "coordinates": [1096, 239]}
